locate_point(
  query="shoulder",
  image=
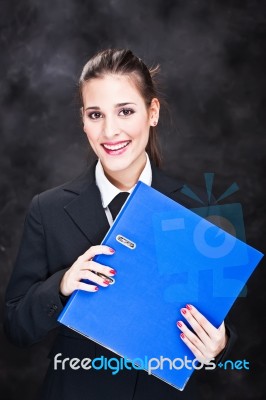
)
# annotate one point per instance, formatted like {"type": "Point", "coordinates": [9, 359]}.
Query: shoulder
{"type": "Point", "coordinates": [190, 196]}
{"type": "Point", "coordinates": [64, 193]}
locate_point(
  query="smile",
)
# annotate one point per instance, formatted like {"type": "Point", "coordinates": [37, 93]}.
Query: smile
{"type": "Point", "coordinates": [116, 149]}
{"type": "Point", "coordinates": [115, 146]}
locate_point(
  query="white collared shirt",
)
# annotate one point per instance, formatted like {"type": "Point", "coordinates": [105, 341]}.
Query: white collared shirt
{"type": "Point", "coordinates": [109, 191]}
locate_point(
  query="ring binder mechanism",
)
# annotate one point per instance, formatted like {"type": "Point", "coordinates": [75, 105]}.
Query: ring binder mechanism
{"type": "Point", "coordinates": [126, 242]}
{"type": "Point", "coordinates": [101, 275]}
{"type": "Point", "coordinates": [111, 280]}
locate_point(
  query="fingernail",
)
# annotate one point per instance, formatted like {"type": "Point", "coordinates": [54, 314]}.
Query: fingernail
{"type": "Point", "coordinates": [179, 323]}
{"type": "Point", "coordinates": [111, 250]}
{"type": "Point", "coordinates": [106, 282]}
{"type": "Point", "coordinates": [96, 288]}
{"type": "Point", "coordinates": [189, 307]}
{"type": "Point", "coordinates": [182, 335]}
{"type": "Point", "coordinates": [183, 311]}
{"type": "Point", "coordinates": [113, 271]}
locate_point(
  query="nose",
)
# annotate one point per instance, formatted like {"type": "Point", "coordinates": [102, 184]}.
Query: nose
{"type": "Point", "coordinates": [110, 127]}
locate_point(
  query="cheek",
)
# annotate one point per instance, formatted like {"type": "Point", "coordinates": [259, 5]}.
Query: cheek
{"type": "Point", "coordinates": [140, 130]}
{"type": "Point", "coordinates": [143, 135]}
{"type": "Point", "coordinates": [91, 133]}
{"type": "Point", "coordinates": [92, 139]}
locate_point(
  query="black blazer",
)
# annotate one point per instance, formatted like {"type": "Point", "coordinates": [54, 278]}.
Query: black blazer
{"type": "Point", "coordinates": [61, 224]}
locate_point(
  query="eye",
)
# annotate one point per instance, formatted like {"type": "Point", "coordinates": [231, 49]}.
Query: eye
{"type": "Point", "coordinates": [94, 115]}
{"type": "Point", "coordinates": [126, 112]}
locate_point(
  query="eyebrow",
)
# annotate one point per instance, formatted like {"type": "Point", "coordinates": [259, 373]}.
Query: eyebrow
{"type": "Point", "coordinates": [116, 105]}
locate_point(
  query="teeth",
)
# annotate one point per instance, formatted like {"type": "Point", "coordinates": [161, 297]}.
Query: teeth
{"type": "Point", "coordinates": [115, 146]}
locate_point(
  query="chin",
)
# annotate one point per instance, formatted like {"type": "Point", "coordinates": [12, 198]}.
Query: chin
{"type": "Point", "coordinates": [116, 165]}
{"type": "Point", "coordinates": [122, 162]}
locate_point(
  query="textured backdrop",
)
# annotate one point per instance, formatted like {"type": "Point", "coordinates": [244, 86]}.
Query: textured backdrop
{"type": "Point", "coordinates": [212, 57]}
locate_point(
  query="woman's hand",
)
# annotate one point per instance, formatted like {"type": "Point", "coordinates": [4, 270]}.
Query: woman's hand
{"type": "Point", "coordinates": [83, 268]}
{"type": "Point", "coordinates": [207, 341]}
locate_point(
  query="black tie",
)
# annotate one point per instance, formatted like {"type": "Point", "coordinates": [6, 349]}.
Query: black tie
{"type": "Point", "coordinates": [117, 202]}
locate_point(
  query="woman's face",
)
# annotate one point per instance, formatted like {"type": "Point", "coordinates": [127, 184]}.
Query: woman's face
{"type": "Point", "coordinates": [117, 122]}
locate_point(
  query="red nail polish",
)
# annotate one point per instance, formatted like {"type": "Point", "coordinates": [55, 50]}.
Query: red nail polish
{"type": "Point", "coordinates": [113, 271]}
{"type": "Point", "coordinates": [96, 288]}
{"type": "Point", "coordinates": [189, 307]}
{"type": "Point", "coordinates": [106, 282]}
{"type": "Point", "coordinates": [111, 250]}
{"type": "Point", "coordinates": [183, 311]}
{"type": "Point", "coordinates": [179, 324]}
{"type": "Point", "coordinates": [182, 335]}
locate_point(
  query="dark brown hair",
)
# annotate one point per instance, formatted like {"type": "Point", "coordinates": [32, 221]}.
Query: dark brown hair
{"type": "Point", "coordinates": [124, 62]}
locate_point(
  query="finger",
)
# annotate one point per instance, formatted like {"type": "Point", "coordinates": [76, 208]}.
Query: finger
{"type": "Point", "coordinates": [202, 321]}
{"type": "Point", "coordinates": [198, 329]}
{"type": "Point", "coordinates": [94, 250]}
{"type": "Point", "coordinates": [86, 287]}
{"type": "Point", "coordinates": [94, 266]}
{"type": "Point", "coordinates": [94, 278]}
{"type": "Point", "coordinates": [197, 353]}
{"type": "Point", "coordinates": [194, 339]}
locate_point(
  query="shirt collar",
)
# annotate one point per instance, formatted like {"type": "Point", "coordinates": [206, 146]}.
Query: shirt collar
{"type": "Point", "coordinates": [109, 191]}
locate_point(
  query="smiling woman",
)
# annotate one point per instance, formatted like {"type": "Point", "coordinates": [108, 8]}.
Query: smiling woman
{"type": "Point", "coordinates": [120, 109]}
{"type": "Point", "coordinates": [118, 128]}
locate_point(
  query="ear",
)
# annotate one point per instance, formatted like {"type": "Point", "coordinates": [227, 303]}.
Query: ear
{"type": "Point", "coordinates": [154, 111]}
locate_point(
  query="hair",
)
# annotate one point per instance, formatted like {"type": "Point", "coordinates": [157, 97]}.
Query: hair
{"type": "Point", "coordinates": [124, 62]}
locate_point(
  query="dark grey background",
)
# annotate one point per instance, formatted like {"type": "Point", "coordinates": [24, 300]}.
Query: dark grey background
{"type": "Point", "coordinates": [213, 75]}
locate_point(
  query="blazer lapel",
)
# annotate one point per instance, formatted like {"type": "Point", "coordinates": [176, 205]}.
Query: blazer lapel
{"type": "Point", "coordinates": [164, 183]}
{"type": "Point", "coordinates": [86, 208]}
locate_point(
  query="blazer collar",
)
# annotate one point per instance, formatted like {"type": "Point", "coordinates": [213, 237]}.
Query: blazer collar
{"type": "Point", "coordinates": [164, 183]}
{"type": "Point", "coordinates": [86, 209]}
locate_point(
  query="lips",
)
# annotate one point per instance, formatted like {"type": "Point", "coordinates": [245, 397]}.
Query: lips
{"type": "Point", "coordinates": [116, 148]}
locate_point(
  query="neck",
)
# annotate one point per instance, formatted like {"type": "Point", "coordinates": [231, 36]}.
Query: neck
{"type": "Point", "coordinates": [127, 178]}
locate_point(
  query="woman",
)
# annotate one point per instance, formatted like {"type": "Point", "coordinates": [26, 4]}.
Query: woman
{"type": "Point", "coordinates": [64, 226]}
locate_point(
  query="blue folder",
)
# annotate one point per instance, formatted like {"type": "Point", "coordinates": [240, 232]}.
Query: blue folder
{"type": "Point", "coordinates": [166, 256]}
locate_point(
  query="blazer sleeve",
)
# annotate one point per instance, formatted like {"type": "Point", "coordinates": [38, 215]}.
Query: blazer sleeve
{"type": "Point", "coordinates": [232, 337]}
{"type": "Point", "coordinates": [32, 300]}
